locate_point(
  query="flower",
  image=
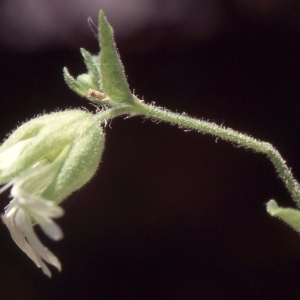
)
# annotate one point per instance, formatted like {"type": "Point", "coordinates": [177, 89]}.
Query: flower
{"type": "Point", "coordinates": [43, 162]}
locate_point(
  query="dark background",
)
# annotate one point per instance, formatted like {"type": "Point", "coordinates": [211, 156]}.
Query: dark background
{"type": "Point", "coordinates": [172, 214]}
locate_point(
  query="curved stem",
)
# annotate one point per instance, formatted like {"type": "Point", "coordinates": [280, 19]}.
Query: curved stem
{"type": "Point", "coordinates": [224, 133]}
{"type": "Point", "coordinates": [229, 135]}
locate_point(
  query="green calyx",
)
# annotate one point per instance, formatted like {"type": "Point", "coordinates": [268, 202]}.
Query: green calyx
{"type": "Point", "coordinates": [53, 154]}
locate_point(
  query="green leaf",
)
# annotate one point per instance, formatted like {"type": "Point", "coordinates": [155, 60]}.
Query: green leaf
{"type": "Point", "coordinates": [73, 84]}
{"type": "Point", "coordinates": [85, 81]}
{"type": "Point", "coordinates": [92, 69]}
{"type": "Point", "coordinates": [114, 81]}
{"type": "Point", "coordinates": [290, 216]}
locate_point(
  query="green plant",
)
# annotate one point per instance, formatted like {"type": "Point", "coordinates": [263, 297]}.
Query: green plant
{"type": "Point", "coordinates": [49, 157]}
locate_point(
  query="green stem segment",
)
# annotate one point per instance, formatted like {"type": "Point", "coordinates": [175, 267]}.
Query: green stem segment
{"type": "Point", "coordinates": [233, 136]}
{"type": "Point", "coordinates": [220, 131]}
{"type": "Point", "coordinates": [111, 113]}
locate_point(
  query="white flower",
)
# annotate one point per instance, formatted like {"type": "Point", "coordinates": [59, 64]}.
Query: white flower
{"type": "Point", "coordinates": [43, 162]}
{"type": "Point", "coordinates": [28, 208]}
{"type": "Point", "coordinates": [19, 216]}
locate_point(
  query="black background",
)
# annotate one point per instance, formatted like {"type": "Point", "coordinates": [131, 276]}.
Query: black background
{"type": "Point", "coordinates": [171, 214]}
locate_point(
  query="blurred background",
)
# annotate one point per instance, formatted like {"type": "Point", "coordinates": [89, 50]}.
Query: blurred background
{"type": "Point", "coordinates": [170, 214]}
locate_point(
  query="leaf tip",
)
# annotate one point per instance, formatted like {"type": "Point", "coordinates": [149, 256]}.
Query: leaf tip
{"type": "Point", "coordinates": [288, 215]}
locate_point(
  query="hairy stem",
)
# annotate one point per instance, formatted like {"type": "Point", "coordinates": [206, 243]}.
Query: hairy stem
{"type": "Point", "coordinates": [111, 113]}
{"type": "Point", "coordinates": [220, 131]}
{"type": "Point", "coordinates": [229, 135]}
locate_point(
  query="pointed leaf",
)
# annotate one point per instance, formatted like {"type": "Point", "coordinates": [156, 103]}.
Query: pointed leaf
{"type": "Point", "coordinates": [92, 68]}
{"type": "Point", "coordinates": [73, 84]}
{"type": "Point", "coordinates": [114, 81]}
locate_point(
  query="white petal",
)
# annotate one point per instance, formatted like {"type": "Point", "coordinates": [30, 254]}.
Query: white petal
{"type": "Point", "coordinates": [45, 208]}
{"type": "Point", "coordinates": [51, 229]}
{"type": "Point", "coordinates": [19, 239]}
{"type": "Point", "coordinates": [5, 187]}
{"type": "Point", "coordinates": [46, 270]}
{"type": "Point", "coordinates": [36, 245]}
{"type": "Point", "coordinates": [37, 206]}
{"type": "Point", "coordinates": [11, 209]}
{"type": "Point", "coordinates": [9, 156]}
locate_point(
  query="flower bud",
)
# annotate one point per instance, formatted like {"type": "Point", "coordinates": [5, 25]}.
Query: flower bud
{"type": "Point", "coordinates": [45, 160]}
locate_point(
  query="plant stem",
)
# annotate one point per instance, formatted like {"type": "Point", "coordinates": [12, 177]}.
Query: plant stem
{"type": "Point", "coordinates": [111, 113]}
{"type": "Point", "coordinates": [228, 134]}
{"type": "Point", "coordinates": [219, 131]}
